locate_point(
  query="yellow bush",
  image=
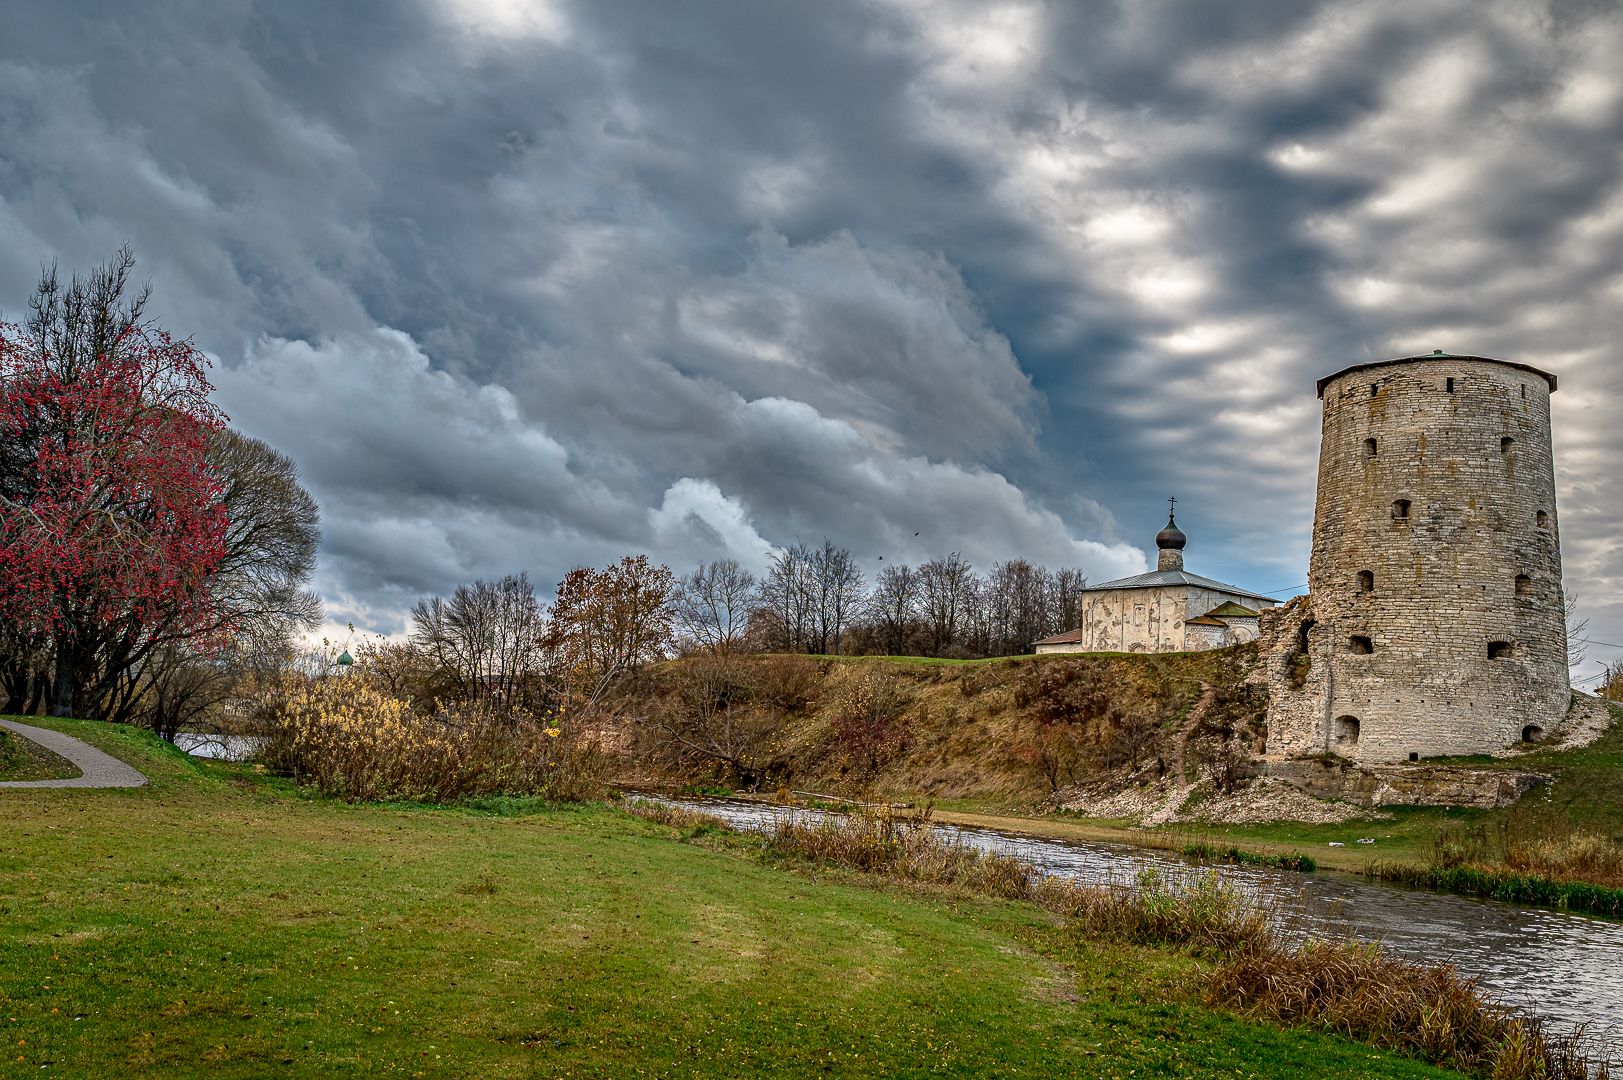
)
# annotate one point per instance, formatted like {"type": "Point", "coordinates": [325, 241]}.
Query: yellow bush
{"type": "Point", "coordinates": [346, 737]}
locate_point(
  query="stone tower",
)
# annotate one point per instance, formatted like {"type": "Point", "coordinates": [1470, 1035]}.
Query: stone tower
{"type": "Point", "coordinates": [1434, 623]}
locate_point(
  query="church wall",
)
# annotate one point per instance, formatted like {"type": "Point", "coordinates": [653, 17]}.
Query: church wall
{"type": "Point", "coordinates": [1134, 620]}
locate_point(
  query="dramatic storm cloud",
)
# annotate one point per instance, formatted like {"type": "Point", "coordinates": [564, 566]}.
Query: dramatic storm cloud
{"type": "Point", "coordinates": [529, 285]}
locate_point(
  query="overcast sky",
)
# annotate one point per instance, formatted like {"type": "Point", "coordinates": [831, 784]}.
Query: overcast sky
{"type": "Point", "coordinates": [528, 286]}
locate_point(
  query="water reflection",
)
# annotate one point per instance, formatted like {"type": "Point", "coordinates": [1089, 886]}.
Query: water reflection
{"type": "Point", "coordinates": [219, 747]}
{"type": "Point", "coordinates": [1567, 967]}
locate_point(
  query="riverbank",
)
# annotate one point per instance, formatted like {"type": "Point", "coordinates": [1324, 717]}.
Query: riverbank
{"type": "Point", "coordinates": [1585, 792]}
{"type": "Point", "coordinates": [220, 921]}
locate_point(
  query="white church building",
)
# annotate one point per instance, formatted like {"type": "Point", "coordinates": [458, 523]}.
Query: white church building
{"type": "Point", "coordinates": [1166, 610]}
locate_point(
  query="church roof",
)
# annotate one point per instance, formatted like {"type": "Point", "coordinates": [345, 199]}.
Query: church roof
{"type": "Point", "coordinates": [1061, 639]}
{"type": "Point", "coordinates": [1205, 620]}
{"type": "Point", "coordinates": [1228, 609]}
{"type": "Point", "coordinates": [1160, 579]}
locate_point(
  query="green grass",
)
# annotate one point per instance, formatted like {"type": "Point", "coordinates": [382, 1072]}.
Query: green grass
{"type": "Point", "coordinates": [218, 923]}
{"type": "Point", "coordinates": [21, 759]}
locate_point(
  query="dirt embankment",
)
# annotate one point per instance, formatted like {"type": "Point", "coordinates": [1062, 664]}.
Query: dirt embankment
{"type": "Point", "coordinates": [1016, 731]}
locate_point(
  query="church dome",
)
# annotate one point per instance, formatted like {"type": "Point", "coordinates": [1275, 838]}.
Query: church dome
{"type": "Point", "coordinates": [1171, 538]}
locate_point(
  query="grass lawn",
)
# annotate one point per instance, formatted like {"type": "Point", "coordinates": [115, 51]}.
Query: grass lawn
{"type": "Point", "coordinates": [218, 923]}
{"type": "Point", "coordinates": [24, 760]}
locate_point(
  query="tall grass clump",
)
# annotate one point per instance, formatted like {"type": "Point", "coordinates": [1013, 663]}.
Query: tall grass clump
{"type": "Point", "coordinates": [1430, 1012]}
{"type": "Point", "coordinates": [904, 846]}
{"type": "Point", "coordinates": [347, 738]}
{"type": "Point", "coordinates": [1425, 1011]}
{"type": "Point", "coordinates": [1532, 855]}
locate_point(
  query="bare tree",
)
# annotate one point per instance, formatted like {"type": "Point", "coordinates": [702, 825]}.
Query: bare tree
{"type": "Point", "coordinates": [1065, 587]}
{"type": "Point", "coordinates": [786, 597]}
{"type": "Point", "coordinates": [947, 587]}
{"type": "Point", "coordinates": [711, 715]}
{"type": "Point", "coordinates": [713, 604]}
{"type": "Point", "coordinates": [484, 637]}
{"type": "Point", "coordinates": [893, 606]}
{"type": "Point", "coordinates": [1577, 634]}
{"type": "Point", "coordinates": [836, 581]}
{"type": "Point", "coordinates": [1017, 595]}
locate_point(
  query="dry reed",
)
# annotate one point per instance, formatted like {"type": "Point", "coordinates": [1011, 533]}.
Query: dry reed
{"type": "Point", "coordinates": [347, 738]}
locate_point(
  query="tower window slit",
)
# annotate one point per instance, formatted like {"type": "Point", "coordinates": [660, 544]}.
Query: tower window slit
{"type": "Point", "coordinates": [1451, 384]}
{"type": "Point", "coordinates": [1506, 444]}
{"type": "Point", "coordinates": [1543, 520]}
{"type": "Point", "coordinates": [1400, 510]}
{"type": "Point", "coordinates": [1524, 585]}
{"type": "Point", "coordinates": [1360, 645]}
{"type": "Point", "coordinates": [1369, 448]}
{"type": "Point", "coordinates": [1500, 650]}
{"type": "Point", "coordinates": [1366, 581]}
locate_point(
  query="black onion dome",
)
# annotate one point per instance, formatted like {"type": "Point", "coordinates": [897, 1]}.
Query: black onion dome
{"type": "Point", "coordinates": [1171, 537]}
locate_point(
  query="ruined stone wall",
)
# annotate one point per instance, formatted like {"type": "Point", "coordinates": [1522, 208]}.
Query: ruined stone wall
{"type": "Point", "coordinates": [1408, 597]}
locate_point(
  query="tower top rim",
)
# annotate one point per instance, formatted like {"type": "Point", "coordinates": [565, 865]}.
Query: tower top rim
{"type": "Point", "coordinates": [1437, 355]}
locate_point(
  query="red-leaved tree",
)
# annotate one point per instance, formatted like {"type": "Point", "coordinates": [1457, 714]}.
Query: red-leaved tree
{"type": "Point", "coordinates": [109, 516]}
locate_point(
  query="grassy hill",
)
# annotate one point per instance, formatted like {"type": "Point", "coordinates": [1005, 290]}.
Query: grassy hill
{"type": "Point", "coordinates": [970, 732]}
{"type": "Point", "coordinates": [218, 922]}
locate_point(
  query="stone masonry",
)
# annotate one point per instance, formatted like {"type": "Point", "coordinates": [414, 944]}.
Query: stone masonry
{"type": "Point", "coordinates": [1435, 623]}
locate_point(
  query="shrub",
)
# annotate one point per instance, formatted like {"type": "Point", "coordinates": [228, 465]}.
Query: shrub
{"type": "Point", "coordinates": [347, 738]}
{"type": "Point", "coordinates": [867, 717]}
{"type": "Point", "coordinates": [1426, 1011]}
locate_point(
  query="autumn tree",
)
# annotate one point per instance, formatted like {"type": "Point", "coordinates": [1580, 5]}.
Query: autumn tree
{"type": "Point", "coordinates": [109, 514]}
{"type": "Point", "coordinates": [164, 675]}
{"type": "Point", "coordinates": [604, 622]}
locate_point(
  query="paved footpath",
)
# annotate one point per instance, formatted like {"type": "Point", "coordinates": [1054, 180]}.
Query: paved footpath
{"type": "Point", "coordinates": [100, 770]}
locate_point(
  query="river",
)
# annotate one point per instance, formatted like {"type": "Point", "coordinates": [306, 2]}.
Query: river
{"type": "Point", "coordinates": [219, 747]}
{"type": "Point", "coordinates": [1568, 968]}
